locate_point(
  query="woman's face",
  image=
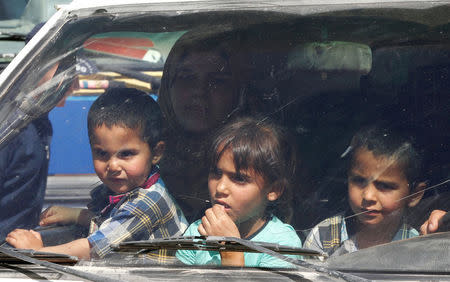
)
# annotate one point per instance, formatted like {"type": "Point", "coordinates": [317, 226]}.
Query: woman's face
{"type": "Point", "coordinates": [202, 92]}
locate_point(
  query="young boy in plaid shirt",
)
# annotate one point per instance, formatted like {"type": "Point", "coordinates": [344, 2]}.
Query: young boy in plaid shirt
{"type": "Point", "coordinates": [124, 127]}
{"type": "Point", "coordinates": [384, 180]}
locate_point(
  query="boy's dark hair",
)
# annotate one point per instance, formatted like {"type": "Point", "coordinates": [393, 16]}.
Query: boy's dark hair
{"type": "Point", "coordinates": [127, 107]}
{"type": "Point", "coordinates": [396, 141]}
{"type": "Point", "coordinates": [265, 148]}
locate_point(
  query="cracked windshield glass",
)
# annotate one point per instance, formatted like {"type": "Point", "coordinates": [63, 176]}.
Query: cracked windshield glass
{"type": "Point", "coordinates": [325, 132]}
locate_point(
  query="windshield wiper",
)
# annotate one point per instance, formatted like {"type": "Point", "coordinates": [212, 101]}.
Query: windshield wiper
{"type": "Point", "coordinates": [210, 243]}
{"type": "Point", "coordinates": [12, 36]}
{"type": "Point", "coordinates": [218, 243]}
{"type": "Point", "coordinates": [51, 257]}
{"type": "Point", "coordinates": [30, 256]}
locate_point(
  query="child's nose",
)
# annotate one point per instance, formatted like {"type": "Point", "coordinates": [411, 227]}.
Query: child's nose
{"type": "Point", "coordinates": [369, 193]}
{"type": "Point", "coordinates": [113, 165]}
{"type": "Point", "coordinates": [222, 185]}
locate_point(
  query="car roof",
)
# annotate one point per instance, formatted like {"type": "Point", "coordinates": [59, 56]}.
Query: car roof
{"type": "Point", "coordinates": [87, 4]}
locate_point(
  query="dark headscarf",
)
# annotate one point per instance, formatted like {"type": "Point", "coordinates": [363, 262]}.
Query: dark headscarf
{"type": "Point", "coordinates": [222, 42]}
{"type": "Point", "coordinates": [184, 166]}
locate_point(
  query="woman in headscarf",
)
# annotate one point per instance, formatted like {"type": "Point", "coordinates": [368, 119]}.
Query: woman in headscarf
{"type": "Point", "coordinates": [201, 89]}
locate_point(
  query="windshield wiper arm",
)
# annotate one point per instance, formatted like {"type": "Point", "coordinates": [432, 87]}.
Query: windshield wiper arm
{"type": "Point", "coordinates": [217, 243]}
{"type": "Point", "coordinates": [64, 269]}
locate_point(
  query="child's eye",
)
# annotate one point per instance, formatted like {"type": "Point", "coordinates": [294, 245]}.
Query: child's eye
{"type": "Point", "coordinates": [358, 181]}
{"type": "Point", "coordinates": [127, 154]}
{"type": "Point", "coordinates": [99, 153]}
{"type": "Point", "coordinates": [240, 178]}
{"type": "Point", "coordinates": [384, 185]}
{"type": "Point", "coordinates": [215, 173]}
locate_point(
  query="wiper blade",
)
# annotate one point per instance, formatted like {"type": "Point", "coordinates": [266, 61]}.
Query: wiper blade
{"type": "Point", "coordinates": [51, 257]}
{"type": "Point", "coordinates": [12, 36]}
{"type": "Point", "coordinates": [209, 243]}
{"type": "Point", "coordinates": [21, 256]}
{"type": "Point", "coordinates": [217, 243]}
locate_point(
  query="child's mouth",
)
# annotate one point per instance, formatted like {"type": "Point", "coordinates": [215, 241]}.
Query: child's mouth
{"type": "Point", "coordinates": [116, 180]}
{"type": "Point", "coordinates": [370, 212]}
{"type": "Point", "coordinates": [222, 204]}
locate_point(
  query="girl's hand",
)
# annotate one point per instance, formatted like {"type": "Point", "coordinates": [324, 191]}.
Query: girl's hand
{"type": "Point", "coordinates": [61, 215]}
{"type": "Point", "coordinates": [25, 239]}
{"type": "Point", "coordinates": [216, 222]}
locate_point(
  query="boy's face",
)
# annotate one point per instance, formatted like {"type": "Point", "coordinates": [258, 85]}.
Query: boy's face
{"type": "Point", "coordinates": [122, 160]}
{"type": "Point", "coordinates": [376, 185]}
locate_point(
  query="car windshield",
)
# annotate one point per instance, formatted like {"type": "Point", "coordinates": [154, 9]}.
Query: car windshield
{"type": "Point", "coordinates": [322, 127]}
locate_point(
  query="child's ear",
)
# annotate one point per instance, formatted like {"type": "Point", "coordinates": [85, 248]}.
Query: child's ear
{"type": "Point", "coordinates": [275, 191]}
{"type": "Point", "coordinates": [417, 194]}
{"type": "Point", "coordinates": [157, 152]}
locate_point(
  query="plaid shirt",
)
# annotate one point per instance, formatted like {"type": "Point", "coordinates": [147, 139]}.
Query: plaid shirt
{"type": "Point", "coordinates": [332, 237]}
{"type": "Point", "coordinates": [140, 214]}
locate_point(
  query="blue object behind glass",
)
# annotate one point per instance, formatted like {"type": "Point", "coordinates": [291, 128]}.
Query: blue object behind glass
{"type": "Point", "coordinates": [70, 152]}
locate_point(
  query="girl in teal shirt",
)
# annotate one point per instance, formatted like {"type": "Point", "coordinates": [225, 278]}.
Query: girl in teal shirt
{"type": "Point", "coordinates": [252, 164]}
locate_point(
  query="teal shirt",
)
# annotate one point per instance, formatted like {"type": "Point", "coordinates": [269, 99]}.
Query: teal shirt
{"type": "Point", "coordinates": [274, 231]}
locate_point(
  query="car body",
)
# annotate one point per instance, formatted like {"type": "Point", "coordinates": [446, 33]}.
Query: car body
{"type": "Point", "coordinates": [323, 69]}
